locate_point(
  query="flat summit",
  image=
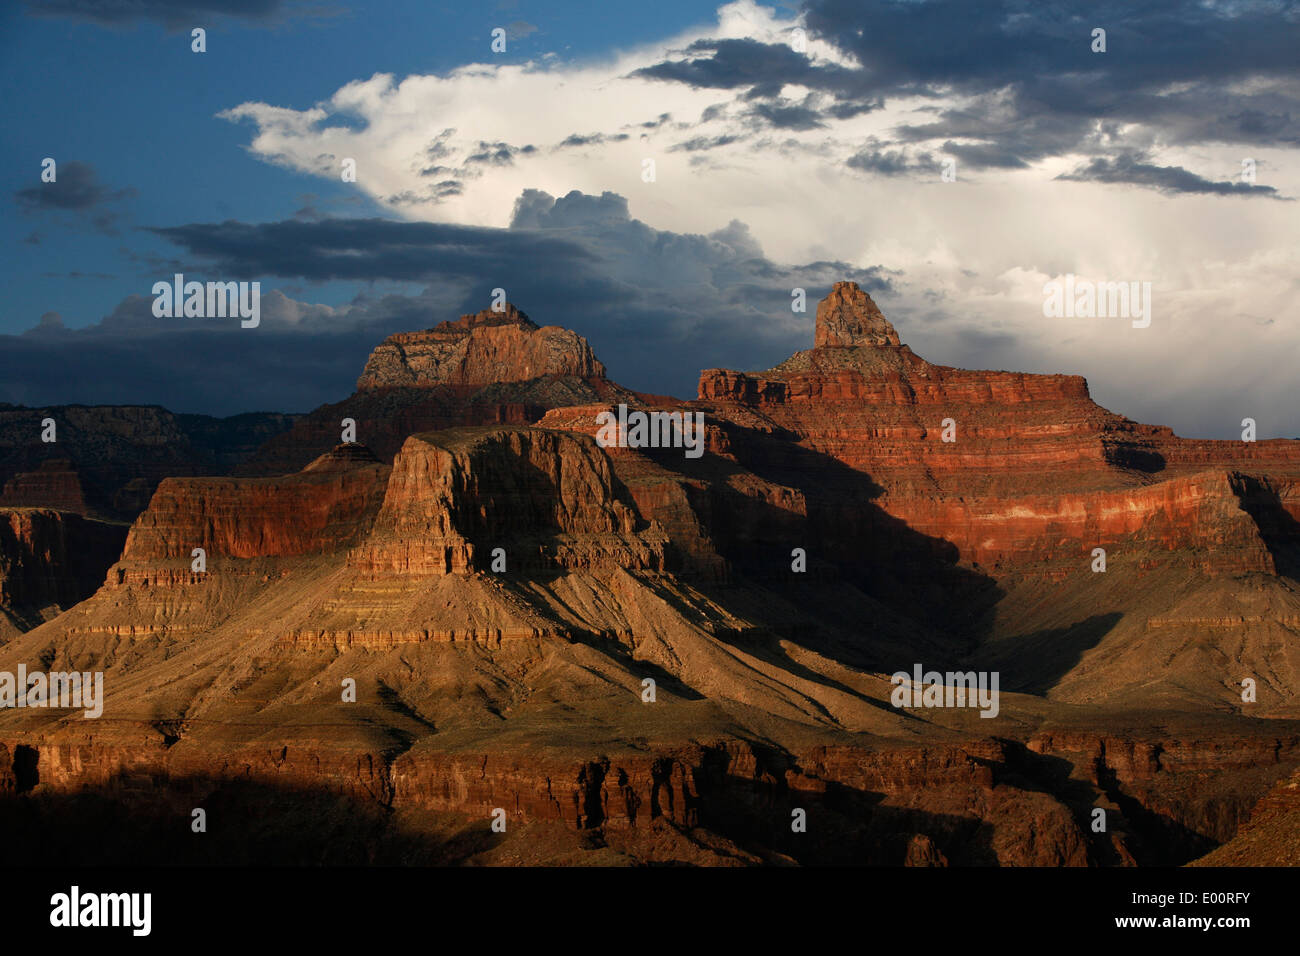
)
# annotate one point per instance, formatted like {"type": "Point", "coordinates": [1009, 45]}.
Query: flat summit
{"type": "Point", "coordinates": [479, 349]}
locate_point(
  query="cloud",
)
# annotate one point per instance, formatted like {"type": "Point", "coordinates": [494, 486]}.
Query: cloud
{"type": "Point", "coordinates": [178, 14]}
{"type": "Point", "coordinates": [497, 154]}
{"type": "Point", "coordinates": [767, 157]}
{"type": "Point", "coordinates": [984, 155]}
{"type": "Point", "coordinates": [657, 306]}
{"type": "Point", "coordinates": [301, 356]}
{"type": "Point", "coordinates": [76, 190]}
{"type": "Point", "coordinates": [193, 371]}
{"type": "Point", "coordinates": [894, 162]}
{"type": "Point", "coordinates": [737, 118]}
{"type": "Point", "coordinates": [1171, 179]}
{"type": "Point", "coordinates": [728, 64]}
{"type": "Point", "coordinates": [1024, 80]}
{"type": "Point", "coordinates": [365, 249]}
{"type": "Point", "coordinates": [50, 323]}
{"type": "Point", "coordinates": [590, 139]}
{"type": "Point", "coordinates": [785, 115]}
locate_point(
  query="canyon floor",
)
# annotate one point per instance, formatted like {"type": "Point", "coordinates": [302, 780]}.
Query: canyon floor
{"type": "Point", "coordinates": [445, 621]}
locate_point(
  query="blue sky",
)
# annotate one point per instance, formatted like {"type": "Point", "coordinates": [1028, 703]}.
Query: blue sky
{"type": "Point", "coordinates": [793, 145]}
{"type": "Point", "coordinates": [135, 102]}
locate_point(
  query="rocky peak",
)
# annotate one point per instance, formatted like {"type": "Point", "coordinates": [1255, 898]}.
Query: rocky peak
{"type": "Point", "coordinates": [848, 317]}
{"type": "Point", "coordinates": [480, 349]}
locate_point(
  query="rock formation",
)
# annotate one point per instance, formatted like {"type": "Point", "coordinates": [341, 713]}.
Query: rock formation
{"type": "Point", "coordinates": [847, 318]}
{"type": "Point", "coordinates": [54, 484]}
{"type": "Point", "coordinates": [1008, 466]}
{"type": "Point", "coordinates": [486, 368]}
{"type": "Point", "coordinates": [49, 561]}
{"type": "Point", "coordinates": [480, 349]}
{"type": "Point", "coordinates": [106, 460]}
{"type": "Point", "coordinates": [657, 658]}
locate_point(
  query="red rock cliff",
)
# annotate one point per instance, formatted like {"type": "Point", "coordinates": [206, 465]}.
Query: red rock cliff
{"type": "Point", "coordinates": [479, 350]}
{"type": "Point", "coordinates": [326, 506]}
{"type": "Point", "coordinates": [1014, 469]}
{"type": "Point", "coordinates": [49, 561]}
{"type": "Point", "coordinates": [546, 497]}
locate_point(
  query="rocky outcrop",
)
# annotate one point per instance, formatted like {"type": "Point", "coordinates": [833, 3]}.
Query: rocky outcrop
{"type": "Point", "coordinates": [54, 484]}
{"type": "Point", "coordinates": [1195, 790]}
{"type": "Point", "coordinates": [1271, 834]}
{"type": "Point", "coordinates": [49, 561]}
{"type": "Point", "coordinates": [480, 349]}
{"type": "Point", "coordinates": [325, 507]}
{"type": "Point", "coordinates": [1019, 472]}
{"type": "Point", "coordinates": [487, 506]}
{"type": "Point", "coordinates": [545, 498]}
{"type": "Point", "coordinates": [848, 318]}
{"type": "Point", "coordinates": [638, 648]}
{"type": "Point", "coordinates": [490, 368]}
{"type": "Point", "coordinates": [983, 802]}
{"type": "Point", "coordinates": [1197, 522]}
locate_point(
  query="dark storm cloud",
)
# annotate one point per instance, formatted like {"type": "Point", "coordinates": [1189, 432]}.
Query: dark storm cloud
{"type": "Point", "coordinates": [1038, 90]}
{"type": "Point", "coordinates": [438, 148]}
{"type": "Point", "coordinates": [433, 193]}
{"type": "Point", "coordinates": [315, 208]}
{"type": "Point", "coordinates": [497, 154]}
{"type": "Point", "coordinates": [217, 372]}
{"type": "Point", "coordinates": [655, 123]}
{"type": "Point", "coordinates": [983, 155]}
{"type": "Point", "coordinates": [1046, 47]}
{"type": "Point", "coordinates": [746, 63]}
{"type": "Point", "coordinates": [76, 190]}
{"type": "Point", "coordinates": [301, 355]}
{"type": "Point", "coordinates": [176, 14]}
{"type": "Point", "coordinates": [1170, 179]}
{"type": "Point", "coordinates": [657, 306]}
{"type": "Point", "coordinates": [365, 249]}
{"type": "Point", "coordinates": [788, 116]}
{"type": "Point", "coordinates": [537, 210]}
{"type": "Point", "coordinates": [1026, 138]}
{"type": "Point", "coordinates": [484, 156]}
{"type": "Point", "coordinates": [697, 143]}
{"type": "Point", "coordinates": [894, 162]}
{"type": "Point", "coordinates": [590, 139]}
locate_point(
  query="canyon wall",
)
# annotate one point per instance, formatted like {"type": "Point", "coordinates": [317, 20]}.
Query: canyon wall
{"type": "Point", "coordinates": [49, 561]}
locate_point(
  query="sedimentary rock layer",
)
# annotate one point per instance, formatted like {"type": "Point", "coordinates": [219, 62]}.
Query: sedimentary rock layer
{"type": "Point", "coordinates": [50, 560]}
{"type": "Point", "coordinates": [480, 349]}
{"type": "Point", "coordinates": [492, 611]}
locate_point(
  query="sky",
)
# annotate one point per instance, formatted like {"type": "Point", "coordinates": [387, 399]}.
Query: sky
{"type": "Point", "coordinates": [953, 157]}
